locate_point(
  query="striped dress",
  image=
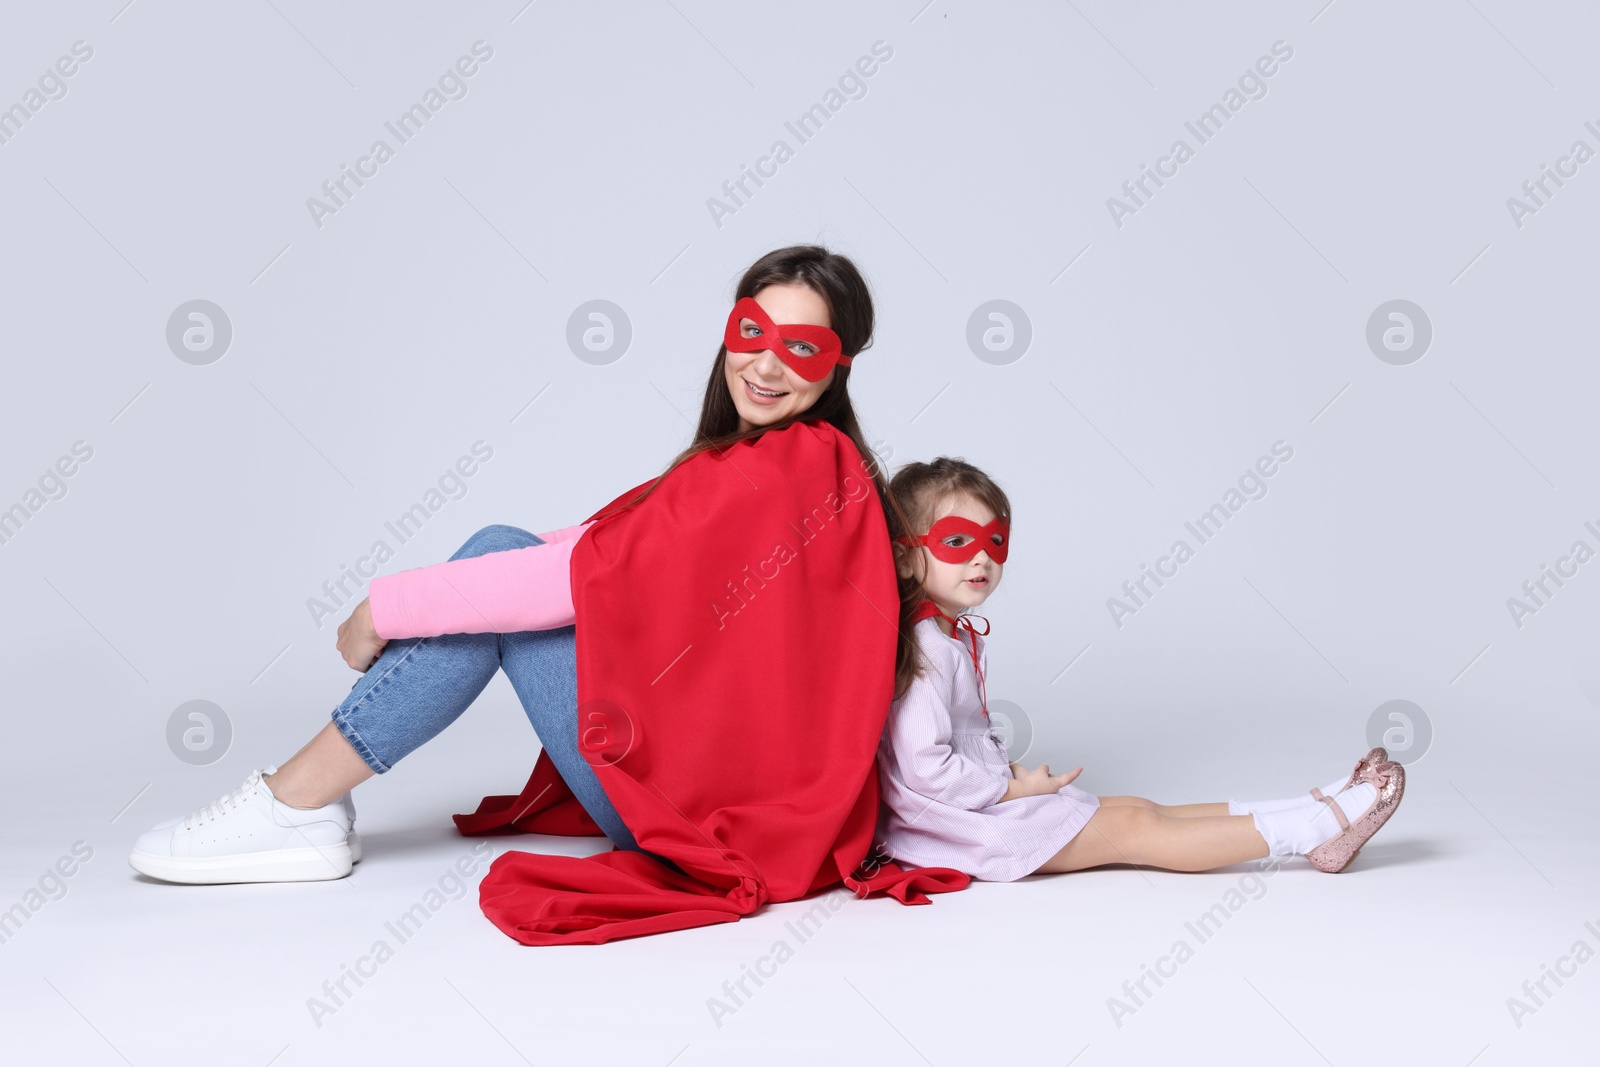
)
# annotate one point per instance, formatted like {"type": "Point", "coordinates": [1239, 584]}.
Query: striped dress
{"type": "Point", "coordinates": [943, 772]}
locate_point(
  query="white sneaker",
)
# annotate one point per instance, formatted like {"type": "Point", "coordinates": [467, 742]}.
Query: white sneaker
{"type": "Point", "coordinates": [349, 807]}
{"type": "Point", "coordinates": [249, 835]}
{"type": "Point", "coordinates": [355, 842]}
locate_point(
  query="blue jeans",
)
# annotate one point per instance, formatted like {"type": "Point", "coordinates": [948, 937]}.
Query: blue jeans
{"type": "Point", "coordinates": [420, 685]}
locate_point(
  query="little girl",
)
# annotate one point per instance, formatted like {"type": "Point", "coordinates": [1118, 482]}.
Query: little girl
{"type": "Point", "coordinates": [953, 798]}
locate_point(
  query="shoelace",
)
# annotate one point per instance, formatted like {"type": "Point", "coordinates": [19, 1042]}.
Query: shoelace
{"type": "Point", "coordinates": [223, 804]}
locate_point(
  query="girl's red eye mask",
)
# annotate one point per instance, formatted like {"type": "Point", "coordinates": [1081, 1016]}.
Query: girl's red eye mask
{"type": "Point", "coordinates": [994, 537]}
{"type": "Point", "coordinates": [774, 337]}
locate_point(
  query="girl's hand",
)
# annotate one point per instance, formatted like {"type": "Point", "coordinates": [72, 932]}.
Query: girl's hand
{"type": "Point", "coordinates": [358, 642]}
{"type": "Point", "coordinates": [1037, 782]}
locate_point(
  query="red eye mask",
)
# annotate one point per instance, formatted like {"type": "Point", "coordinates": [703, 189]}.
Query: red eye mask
{"type": "Point", "coordinates": [812, 368]}
{"type": "Point", "coordinates": [994, 538]}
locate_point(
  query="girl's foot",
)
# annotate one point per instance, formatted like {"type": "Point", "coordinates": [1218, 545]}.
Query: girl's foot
{"type": "Point", "coordinates": [1335, 855]}
{"type": "Point", "coordinates": [1301, 830]}
{"type": "Point", "coordinates": [1364, 766]}
{"type": "Point", "coordinates": [1368, 764]}
{"type": "Point", "coordinates": [249, 835]}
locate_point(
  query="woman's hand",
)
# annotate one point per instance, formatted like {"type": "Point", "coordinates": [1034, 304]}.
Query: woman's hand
{"type": "Point", "coordinates": [358, 642]}
{"type": "Point", "coordinates": [1036, 782]}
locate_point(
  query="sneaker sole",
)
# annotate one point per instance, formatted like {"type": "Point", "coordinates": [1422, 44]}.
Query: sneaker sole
{"type": "Point", "coordinates": [279, 865]}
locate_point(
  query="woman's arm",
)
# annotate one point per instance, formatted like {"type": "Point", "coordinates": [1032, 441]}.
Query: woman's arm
{"type": "Point", "coordinates": [500, 592]}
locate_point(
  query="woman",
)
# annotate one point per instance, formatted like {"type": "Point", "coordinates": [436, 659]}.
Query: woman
{"type": "Point", "coordinates": [295, 823]}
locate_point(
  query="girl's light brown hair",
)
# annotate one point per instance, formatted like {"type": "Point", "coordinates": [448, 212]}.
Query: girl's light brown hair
{"type": "Point", "coordinates": [923, 493]}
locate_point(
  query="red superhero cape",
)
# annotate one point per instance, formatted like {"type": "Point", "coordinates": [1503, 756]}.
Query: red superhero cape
{"type": "Point", "coordinates": [735, 653]}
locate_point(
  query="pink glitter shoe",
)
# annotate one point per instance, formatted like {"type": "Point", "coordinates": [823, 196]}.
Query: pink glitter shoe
{"type": "Point", "coordinates": [1367, 764]}
{"type": "Point", "coordinates": [1335, 854]}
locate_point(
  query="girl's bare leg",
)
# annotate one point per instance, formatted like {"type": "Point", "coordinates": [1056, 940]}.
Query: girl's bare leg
{"type": "Point", "coordinates": [323, 771]}
{"type": "Point", "coordinates": [1130, 833]}
{"type": "Point", "coordinates": [1177, 811]}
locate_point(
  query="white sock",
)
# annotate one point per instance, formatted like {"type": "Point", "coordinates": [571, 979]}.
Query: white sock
{"type": "Point", "coordinates": [1298, 830]}
{"type": "Point", "coordinates": [1250, 807]}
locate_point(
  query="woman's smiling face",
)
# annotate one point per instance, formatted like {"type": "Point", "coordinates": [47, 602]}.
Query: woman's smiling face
{"type": "Point", "coordinates": [754, 377]}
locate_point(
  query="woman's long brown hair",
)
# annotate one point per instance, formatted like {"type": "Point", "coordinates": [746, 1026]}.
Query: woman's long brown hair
{"type": "Point", "coordinates": [836, 280]}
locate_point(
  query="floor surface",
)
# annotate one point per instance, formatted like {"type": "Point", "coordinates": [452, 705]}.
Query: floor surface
{"type": "Point", "coordinates": [1422, 946]}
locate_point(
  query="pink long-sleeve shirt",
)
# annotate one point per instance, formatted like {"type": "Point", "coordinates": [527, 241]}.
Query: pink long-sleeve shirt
{"type": "Point", "coordinates": [500, 592]}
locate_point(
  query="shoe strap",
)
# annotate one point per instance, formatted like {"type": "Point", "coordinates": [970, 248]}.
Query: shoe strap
{"type": "Point", "coordinates": [1338, 812]}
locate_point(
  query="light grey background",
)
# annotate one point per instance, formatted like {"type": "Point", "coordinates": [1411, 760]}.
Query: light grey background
{"type": "Point", "coordinates": [1228, 313]}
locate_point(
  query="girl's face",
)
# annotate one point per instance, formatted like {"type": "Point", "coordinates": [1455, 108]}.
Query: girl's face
{"type": "Point", "coordinates": [763, 387]}
{"type": "Point", "coordinates": [955, 587]}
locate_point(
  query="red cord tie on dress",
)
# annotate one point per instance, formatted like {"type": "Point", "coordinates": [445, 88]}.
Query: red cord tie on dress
{"type": "Point", "coordinates": [928, 609]}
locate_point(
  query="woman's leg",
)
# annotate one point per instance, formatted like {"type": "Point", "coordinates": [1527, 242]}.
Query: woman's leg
{"type": "Point", "coordinates": [1130, 833]}
{"type": "Point", "coordinates": [1176, 811]}
{"type": "Point", "coordinates": [419, 686]}
{"type": "Point", "coordinates": [543, 668]}
{"type": "Point", "coordinates": [415, 689]}
{"type": "Point", "coordinates": [326, 767]}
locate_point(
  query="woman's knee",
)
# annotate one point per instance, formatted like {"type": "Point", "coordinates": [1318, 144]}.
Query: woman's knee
{"type": "Point", "coordinates": [496, 538]}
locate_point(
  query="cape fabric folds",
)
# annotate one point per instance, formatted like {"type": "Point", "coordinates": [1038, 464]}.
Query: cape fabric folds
{"type": "Point", "coordinates": [735, 653]}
